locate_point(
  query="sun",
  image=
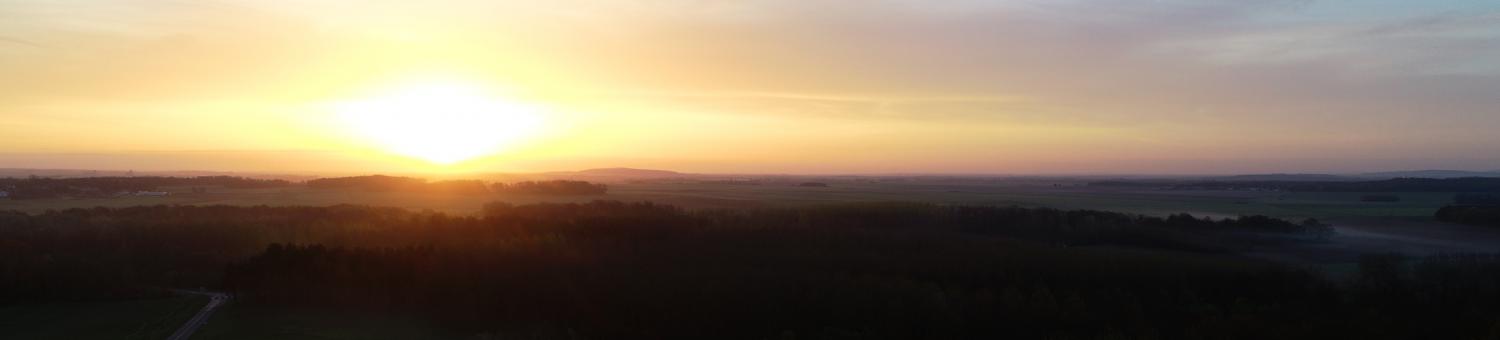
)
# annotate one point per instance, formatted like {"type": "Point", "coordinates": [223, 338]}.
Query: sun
{"type": "Point", "coordinates": [440, 122]}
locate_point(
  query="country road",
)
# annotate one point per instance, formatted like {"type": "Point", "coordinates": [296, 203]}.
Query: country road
{"type": "Point", "coordinates": [187, 329]}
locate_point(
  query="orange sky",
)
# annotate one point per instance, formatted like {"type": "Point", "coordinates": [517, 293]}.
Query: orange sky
{"type": "Point", "coordinates": [763, 86]}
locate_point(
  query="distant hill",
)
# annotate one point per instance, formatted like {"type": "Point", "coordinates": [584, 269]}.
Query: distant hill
{"type": "Point", "coordinates": [1286, 178]}
{"type": "Point", "coordinates": [1431, 174]}
{"type": "Point", "coordinates": [627, 172]}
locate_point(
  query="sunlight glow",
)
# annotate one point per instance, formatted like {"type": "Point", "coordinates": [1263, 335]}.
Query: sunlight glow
{"type": "Point", "coordinates": [440, 122]}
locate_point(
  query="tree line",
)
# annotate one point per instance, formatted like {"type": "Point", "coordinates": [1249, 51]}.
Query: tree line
{"type": "Point", "coordinates": [1472, 208]}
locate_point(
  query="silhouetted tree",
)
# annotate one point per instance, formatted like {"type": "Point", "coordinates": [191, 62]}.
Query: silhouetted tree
{"type": "Point", "coordinates": [553, 187]}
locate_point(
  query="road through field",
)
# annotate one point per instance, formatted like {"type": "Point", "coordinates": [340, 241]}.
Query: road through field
{"type": "Point", "coordinates": [215, 300]}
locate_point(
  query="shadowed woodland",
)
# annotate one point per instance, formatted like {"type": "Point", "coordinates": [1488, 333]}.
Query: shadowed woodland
{"type": "Point", "coordinates": [614, 270]}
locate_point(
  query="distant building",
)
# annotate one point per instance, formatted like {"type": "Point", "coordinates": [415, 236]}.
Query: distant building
{"type": "Point", "coordinates": [152, 193]}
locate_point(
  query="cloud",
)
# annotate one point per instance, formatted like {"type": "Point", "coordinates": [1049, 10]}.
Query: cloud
{"type": "Point", "coordinates": [1440, 43]}
{"type": "Point", "coordinates": [20, 41]}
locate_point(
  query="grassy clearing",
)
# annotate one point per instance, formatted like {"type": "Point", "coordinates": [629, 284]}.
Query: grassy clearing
{"type": "Point", "coordinates": [126, 319]}
{"type": "Point", "coordinates": [235, 322]}
{"type": "Point", "coordinates": [1348, 204]}
{"type": "Point", "coordinates": [689, 195]}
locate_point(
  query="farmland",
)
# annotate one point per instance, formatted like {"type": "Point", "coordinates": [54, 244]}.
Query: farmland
{"type": "Point", "coordinates": [1063, 193]}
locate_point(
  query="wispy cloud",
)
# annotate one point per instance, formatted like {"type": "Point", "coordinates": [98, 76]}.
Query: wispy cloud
{"type": "Point", "coordinates": [20, 41]}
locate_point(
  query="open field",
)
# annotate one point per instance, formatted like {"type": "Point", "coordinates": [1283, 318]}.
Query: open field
{"type": "Point", "coordinates": [709, 195]}
{"type": "Point", "coordinates": [1364, 227]}
{"type": "Point", "coordinates": [123, 319]}
{"type": "Point", "coordinates": [239, 322]}
{"type": "Point", "coordinates": [158, 318]}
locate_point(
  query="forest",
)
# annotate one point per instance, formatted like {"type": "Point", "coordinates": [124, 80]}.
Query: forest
{"type": "Point", "coordinates": [638, 270]}
{"type": "Point", "coordinates": [553, 187]}
{"type": "Point", "coordinates": [1472, 208]}
{"type": "Point", "coordinates": [1485, 215]}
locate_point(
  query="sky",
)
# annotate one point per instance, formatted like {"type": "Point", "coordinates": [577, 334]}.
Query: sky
{"type": "Point", "coordinates": [797, 86]}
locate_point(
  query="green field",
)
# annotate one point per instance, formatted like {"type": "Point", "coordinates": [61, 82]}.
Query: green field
{"type": "Point", "coordinates": [703, 195]}
{"type": "Point", "coordinates": [125, 319]}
